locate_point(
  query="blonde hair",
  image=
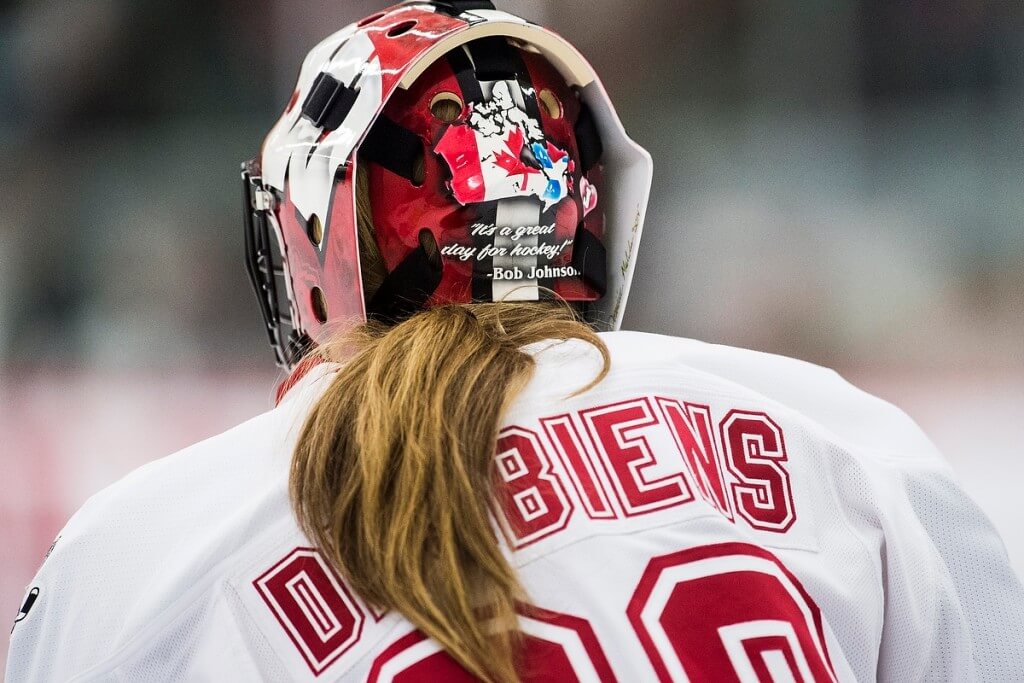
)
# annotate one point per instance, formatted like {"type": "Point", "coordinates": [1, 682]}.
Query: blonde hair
{"type": "Point", "coordinates": [394, 475]}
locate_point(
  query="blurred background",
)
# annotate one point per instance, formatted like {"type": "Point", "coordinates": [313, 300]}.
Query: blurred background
{"type": "Point", "coordinates": [839, 181]}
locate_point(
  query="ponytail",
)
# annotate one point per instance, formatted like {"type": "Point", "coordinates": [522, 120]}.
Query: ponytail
{"type": "Point", "coordinates": [394, 474]}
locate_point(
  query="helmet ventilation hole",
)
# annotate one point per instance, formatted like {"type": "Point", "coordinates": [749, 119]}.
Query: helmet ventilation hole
{"type": "Point", "coordinates": [446, 107]}
{"type": "Point", "coordinates": [550, 102]}
{"type": "Point", "coordinates": [401, 29]}
{"type": "Point", "coordinates": [319, 302]}
{"type": "Point", "coordinates": [315, 230]}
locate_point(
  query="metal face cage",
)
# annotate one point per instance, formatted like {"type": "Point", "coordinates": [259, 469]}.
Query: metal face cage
{"type": "Point", "coordinates": [267, 270]}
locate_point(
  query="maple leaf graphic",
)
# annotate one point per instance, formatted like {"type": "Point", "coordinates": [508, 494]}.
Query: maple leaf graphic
{"type": "Point", "coordinates": [511, 161]}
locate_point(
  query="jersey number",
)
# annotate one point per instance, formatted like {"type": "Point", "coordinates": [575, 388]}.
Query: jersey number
{"type": "Point", "coordinates": [727, 612]}
{"type": "Point", "coordinates": [563, 648]}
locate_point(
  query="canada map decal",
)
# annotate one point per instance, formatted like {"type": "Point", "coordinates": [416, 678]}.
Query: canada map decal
{"type": "Point", "coordinates": [501, 153]}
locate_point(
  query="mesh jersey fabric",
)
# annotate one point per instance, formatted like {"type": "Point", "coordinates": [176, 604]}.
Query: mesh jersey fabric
{"type": "Point", "coordinates": [836, 545]}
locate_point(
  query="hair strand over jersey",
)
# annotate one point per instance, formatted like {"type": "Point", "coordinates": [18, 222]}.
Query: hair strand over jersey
{"type": "Point", "coordinates": [394, 475]}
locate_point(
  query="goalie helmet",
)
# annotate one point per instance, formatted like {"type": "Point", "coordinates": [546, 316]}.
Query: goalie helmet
{"type": "Point", "coordinates": [495, 169]}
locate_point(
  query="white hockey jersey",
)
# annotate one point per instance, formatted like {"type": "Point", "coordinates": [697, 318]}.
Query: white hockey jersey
{"type": "Point", "coordinates": [704, 514]}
